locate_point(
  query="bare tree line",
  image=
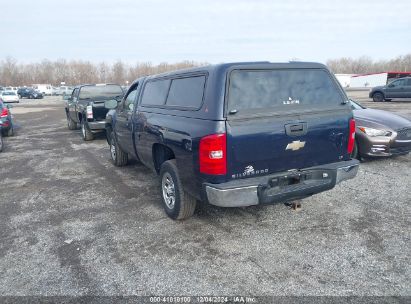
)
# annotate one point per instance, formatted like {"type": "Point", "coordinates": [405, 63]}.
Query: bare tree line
{"type": "Point", "coordinates": [75, 72]}
{"type": "Point", "coordinates": [365, 64]}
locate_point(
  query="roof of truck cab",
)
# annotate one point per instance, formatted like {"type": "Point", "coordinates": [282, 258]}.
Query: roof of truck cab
{"type": "Point", "coordinates": [94, 84]}
{"type": "Point", "coordinates": [223, 67]}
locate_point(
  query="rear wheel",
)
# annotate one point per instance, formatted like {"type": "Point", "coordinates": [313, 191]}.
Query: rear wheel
{"type": "Point", "coordinates": [86, 132]}
{"type": "Point", "coordinates": [118, 156]}
{"type": "Point", "coordinates": [10, 132]}
{"type": "Point", "coordinates": [178, 204]}
{"type": "Point", "coordinates": [378, 97]}
{"type": "Point", "coordinates": [355, 151]}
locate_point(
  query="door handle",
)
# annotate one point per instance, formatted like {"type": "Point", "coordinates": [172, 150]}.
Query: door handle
{"type": "Point", "coordinates": [296, 129]}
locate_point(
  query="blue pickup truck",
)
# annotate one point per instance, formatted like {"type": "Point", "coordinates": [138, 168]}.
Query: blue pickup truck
{"type": "Point", "coordinates": [236, 134]}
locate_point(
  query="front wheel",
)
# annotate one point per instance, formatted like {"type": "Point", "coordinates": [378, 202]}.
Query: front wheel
{"type": "Point", "coordinates": [71, 124]}
{"type": "Point", "coordinates": [85, 131]}
{"type": "Point", "coordinates": [118, 156]}
{"type": "Point", "coordinates": [178, 204]}
{"type": "Point", "coordinates": [378, 97]}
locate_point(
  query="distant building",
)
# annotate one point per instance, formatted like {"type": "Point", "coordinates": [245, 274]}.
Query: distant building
{"type": "Point", "coordinates": [369, 80]}
{"type": "Point", "coordinates": [344, 79]}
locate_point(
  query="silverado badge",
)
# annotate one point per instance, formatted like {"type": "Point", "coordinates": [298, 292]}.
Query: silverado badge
{"type": "Point", "coordinates": [295, 145]}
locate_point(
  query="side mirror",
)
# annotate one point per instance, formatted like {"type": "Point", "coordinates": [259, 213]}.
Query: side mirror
{"type": "Point", "coordinates": [110, 104]}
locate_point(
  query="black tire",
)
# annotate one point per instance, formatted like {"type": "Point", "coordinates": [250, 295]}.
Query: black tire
{"type": "Point", "coordinates": [1, 143]}
{"type": "Point", "coordinates": [71, 124]}
{"type": "Point", "coordinates": [19, 96]}
{"type": "Point", "coordinates": [378, 97]}
{"type": "Point", "coordinates": [10, 132]}
{"type": "Point", "coordinates": [30, 97]}
{"type": "Point", "coordinates": [356, 151]}
{"type": "Point", "coordinates": [85, 131]}
{"type": "Point", "coordinates": [118, 156]}
{"type": "Point", "coordinates": [184, 204]}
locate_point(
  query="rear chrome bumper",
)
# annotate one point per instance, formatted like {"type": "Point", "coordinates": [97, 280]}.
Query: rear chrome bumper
{"type": "Point", "coordinates": [97, 125]}
{"type": "Point", "coordinates": [271, 189]}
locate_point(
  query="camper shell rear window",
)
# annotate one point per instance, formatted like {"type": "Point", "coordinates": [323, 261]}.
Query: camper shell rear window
{"type": "Point", "coordinates": [281, 89]}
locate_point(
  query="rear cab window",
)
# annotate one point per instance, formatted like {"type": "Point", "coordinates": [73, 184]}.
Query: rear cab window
{"type": "Point", "coordinates": [184, 93]}
{"type": "Point", "coordinates": [101, 92]}
{"type": "Point", "coordinates": [155, 92]}
{"type": "Point", "coordinates": [281, 90]}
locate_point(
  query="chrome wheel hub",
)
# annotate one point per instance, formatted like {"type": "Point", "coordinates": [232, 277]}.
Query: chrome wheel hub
{"type": "Point", "coordinates": [169, 193]}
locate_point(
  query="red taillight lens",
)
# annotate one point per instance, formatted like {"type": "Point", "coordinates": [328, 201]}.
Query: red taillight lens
{"type": "Point", "coordinates": [351, 136]}
{"type": "Point", "coordinates": [4, 113]}
{"type": "Point", "coordinates": [212, 154]}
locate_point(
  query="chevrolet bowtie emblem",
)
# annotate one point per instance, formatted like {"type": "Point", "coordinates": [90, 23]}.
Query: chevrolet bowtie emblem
{"type": "Point", "coordinates": [295, 145]}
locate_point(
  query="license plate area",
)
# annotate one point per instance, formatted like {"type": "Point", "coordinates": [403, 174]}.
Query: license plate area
{"type": "Point", "coordinates": [296, 185]}
{"type": "Point", "coordinates": [287, 180]}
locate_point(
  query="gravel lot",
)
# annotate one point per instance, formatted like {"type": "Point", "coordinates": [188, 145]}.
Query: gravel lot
{"type": "Point", "coordinates": [352, 240]}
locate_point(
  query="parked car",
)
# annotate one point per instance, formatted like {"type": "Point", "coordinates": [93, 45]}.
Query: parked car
{"type": "Point", "coordinates": [236, 134]}
{"type": "Point", "coordinates": [6, 120]}
{"type": "Point", "coordinates": [9, 96]}
{"type": "Point", "coordinates": [380, 133]}
{"type": "Point", "coordinates": [45, 89]}
{"type": "Point", "coordinates": [400, 88]}
{"type": "Point", "coordinates": [29, 93]}
{"type": "Point", "coordinates": [85, 106]}
{"type": "Point", "coordinates": [65, 90]}
{"type": "Point", "coordinates": [13, 89]}
{"type": "Point", "coordinates": [55, 91]}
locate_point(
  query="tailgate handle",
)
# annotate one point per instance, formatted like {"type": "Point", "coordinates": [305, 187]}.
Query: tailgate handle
{"type": "Point", "coordinates": [296, 129]}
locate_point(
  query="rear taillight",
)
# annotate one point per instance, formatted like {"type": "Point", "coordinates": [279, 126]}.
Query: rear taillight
{"type": "Point", "coordinates": [212, 154]}
{"type": "Point", "coordinates": [89, 112]}
{"type": "Point", "coordinates": [4, 113]}
{"type": "Point", "coordinates": [351, 136]}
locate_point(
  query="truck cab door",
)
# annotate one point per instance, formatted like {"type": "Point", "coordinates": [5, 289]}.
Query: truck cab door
{"type": "Point", "coordinates": [396, 89]}
{"type": "Point", "coordinates": [407, 91]}
{"type": "Point", "coordinates": [72, 105]}
{"type": "Point", "coordinates": [124, 123]}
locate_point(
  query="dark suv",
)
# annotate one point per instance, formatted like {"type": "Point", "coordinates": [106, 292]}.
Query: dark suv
{"type": "Point", "coordinates": [29, 93]}
{"type": "Point", "coordinates": [236, 134]}
{"type": "Point", "coordinates": [400, 88]}
{"type": "Point", "coordinates": [85, 106]}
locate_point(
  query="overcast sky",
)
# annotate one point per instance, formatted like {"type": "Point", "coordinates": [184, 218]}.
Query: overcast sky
{"type": "Point", "coordinates": [211, 31]}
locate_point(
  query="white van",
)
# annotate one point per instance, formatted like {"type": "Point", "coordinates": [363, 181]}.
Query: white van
{"type": "Point", "coordinates": [45, 89]}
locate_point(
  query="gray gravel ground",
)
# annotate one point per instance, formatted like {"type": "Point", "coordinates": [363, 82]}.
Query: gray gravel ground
{"type": "Point", "coordinates": [352, 240]}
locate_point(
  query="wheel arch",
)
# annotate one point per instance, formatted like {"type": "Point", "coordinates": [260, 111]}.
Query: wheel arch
{"type": "Point", "coordinates": [160, 154]}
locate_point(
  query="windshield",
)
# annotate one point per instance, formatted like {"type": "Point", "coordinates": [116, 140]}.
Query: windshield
{"type": "Point", "coordinates": [101, 92]}
{"type": "Point", "coordinates": [8, 93]}
{"type": "Point", "coordinates": [260, 89]}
